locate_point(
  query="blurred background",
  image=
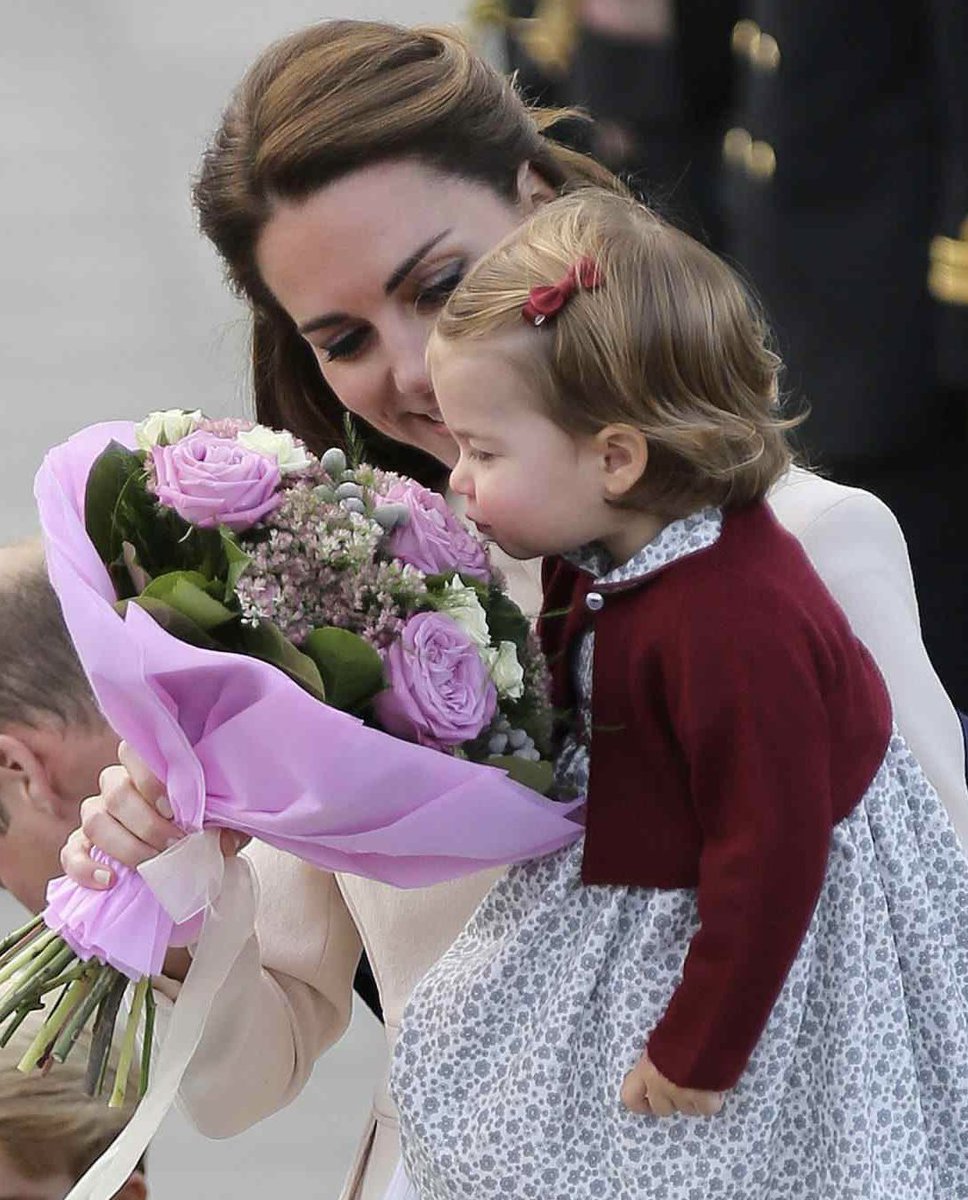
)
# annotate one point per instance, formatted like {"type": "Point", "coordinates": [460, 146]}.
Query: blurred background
{"type": "Point", "coordinates": [822, 148]}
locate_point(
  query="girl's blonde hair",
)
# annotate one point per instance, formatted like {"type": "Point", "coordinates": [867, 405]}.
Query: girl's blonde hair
{"type": "Point", "coordinates": [671, 343]}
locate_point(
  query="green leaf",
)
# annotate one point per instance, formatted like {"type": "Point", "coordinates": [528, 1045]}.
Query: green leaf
{"type": "Point", "coordinates": [173, 621]}
{"type": "Point", "coordinates": [505, 620]}
{"type": "Point", "coordinates": [538, 776]}
{"type": "Point", "coordinates": [351, 669]}
{"type": "Point", "coordinates": [188, 592]}
{"type": "Point", "coordinates": [268, 642]}
{"type": "Point", "coordinates": [110, 499]}
{"type": "Point", "coordinates": [236, 558]}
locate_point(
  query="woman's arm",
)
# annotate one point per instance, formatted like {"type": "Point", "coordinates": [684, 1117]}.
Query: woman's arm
{"type": "Point", "coordinates": [858, 549]}
{"type": "Point", "coordinates": [287, 1000]}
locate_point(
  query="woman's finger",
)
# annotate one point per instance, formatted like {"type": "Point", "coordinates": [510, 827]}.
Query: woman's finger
{"type": "Point", "coordinates": [75, 858]}
{"type": "Point", "coordinates": [121, 801]}
{"type": "Point", "coordinates": [146, 783]}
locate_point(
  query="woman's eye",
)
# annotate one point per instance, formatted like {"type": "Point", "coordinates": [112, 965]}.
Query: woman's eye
{"type": "Point", "coordinates": [347, 346]}
{"type": "Point", "coordinates": [434, 293]}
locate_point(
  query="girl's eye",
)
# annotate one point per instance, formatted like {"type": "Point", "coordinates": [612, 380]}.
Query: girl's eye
{"type": "Point", "coordinates": [481, 456]}
{"type": "Point", "coordinates": [433, 294]}
{"type": "Point", "coordinates": [347, 346]}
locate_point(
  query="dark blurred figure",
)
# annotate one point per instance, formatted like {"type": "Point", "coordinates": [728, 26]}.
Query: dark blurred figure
{"type": "Point", "coordinates": [657, 76]}
{"type": "Point", "coordinates": [847, 204]}
{"type": "Point", "coordinates": [654, 74]}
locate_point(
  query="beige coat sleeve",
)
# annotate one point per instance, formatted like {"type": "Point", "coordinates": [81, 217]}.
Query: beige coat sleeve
{"type": "Point", "coordinates": [858, 549]}
{"type": "Point", "coordinates": [287, 999]}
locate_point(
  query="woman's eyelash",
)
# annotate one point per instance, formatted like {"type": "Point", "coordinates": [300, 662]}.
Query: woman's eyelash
{"type": "Point", "coordinates": [344, 347]}
{"type": "Point", "coordinates": [437, 292]}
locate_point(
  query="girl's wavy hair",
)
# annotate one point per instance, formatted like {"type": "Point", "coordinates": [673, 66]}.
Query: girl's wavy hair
{"type": "Point", "coordinates": [671, 343]}
{"type": "Point", "coordinates": [323, 103]}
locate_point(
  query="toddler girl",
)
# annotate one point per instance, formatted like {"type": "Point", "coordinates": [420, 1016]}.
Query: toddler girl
{"type": "Point", "coordinates": [766, 923]}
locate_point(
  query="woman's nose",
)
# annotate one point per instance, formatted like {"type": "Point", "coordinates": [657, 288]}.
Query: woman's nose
{"type": "Point", "coordinates": [408, 364]}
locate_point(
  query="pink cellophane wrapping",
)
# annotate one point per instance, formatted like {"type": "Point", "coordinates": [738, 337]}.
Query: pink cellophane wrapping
{"type": "Point", "coordinates": [239, 745]}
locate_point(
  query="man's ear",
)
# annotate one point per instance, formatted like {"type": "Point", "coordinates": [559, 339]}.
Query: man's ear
{"type": "Point", "coordinates": [22, 769]}
{"type": "Point", "coordinates": [134, 1189]}
{"type": "Point", "coordinates": [533, 189]}
{"type": "Point", "coordinates": [624, 453]}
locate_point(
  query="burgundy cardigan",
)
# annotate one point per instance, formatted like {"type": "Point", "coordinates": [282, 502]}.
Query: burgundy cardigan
{"type": "Point", "coordinates": [735, 720]}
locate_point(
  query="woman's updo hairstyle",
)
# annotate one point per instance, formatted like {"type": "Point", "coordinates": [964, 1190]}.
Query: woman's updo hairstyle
{"type": "Point", "coordinates": [324, 102]}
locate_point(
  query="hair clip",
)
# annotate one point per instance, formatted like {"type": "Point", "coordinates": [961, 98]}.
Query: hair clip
{"type": "Point", "coordinates": [544, 302]}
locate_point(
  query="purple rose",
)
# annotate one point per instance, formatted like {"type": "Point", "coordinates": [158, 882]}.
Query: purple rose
{"type": "Point", "coordinates": [440, 693]}
{"type": "Point", "coordinates": [433, 540]}
{"type": "Point", "coordinates": [211, 480]}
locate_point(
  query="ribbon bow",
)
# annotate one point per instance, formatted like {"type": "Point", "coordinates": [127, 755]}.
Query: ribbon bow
{"type": "Point", "coordinates": [544, 302]}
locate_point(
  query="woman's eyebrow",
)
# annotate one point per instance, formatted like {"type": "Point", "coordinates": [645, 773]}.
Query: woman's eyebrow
{"type": "Point", "coordinates": [408, 264]}
{"type": "Point", "coordinates": [391, 285]}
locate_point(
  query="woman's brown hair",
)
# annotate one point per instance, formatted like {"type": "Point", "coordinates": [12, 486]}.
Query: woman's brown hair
{"type": "Point", "coordinates": [324, 102]}
{"type": "Point", "coordinates": [669, 341]}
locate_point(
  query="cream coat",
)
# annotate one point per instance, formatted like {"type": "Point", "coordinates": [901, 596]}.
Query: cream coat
{"type": "Point", "coordinates": [289, 997]}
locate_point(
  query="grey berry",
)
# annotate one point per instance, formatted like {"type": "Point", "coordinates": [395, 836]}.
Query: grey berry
{"type": "Point", "coordinates": [334, 461]}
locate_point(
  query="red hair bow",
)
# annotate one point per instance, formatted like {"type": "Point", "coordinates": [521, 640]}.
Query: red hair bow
{"type": "Point", "coordinates": [544, 302]}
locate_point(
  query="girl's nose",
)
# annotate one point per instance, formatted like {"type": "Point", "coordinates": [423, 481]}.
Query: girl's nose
{"type": "Point", "coordinates": [460, 479]}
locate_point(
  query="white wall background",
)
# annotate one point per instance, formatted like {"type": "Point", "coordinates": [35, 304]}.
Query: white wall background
{"type": "Point", "coordinates": [111, 305]}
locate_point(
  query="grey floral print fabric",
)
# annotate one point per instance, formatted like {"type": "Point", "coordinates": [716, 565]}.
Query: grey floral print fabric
{"type": "Point", "coordinates": [513, 1049]}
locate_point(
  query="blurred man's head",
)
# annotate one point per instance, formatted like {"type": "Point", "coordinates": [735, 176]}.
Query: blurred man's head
{"type": "Point", "coordinates": [50, 1131]}
{"type": "Point", "coordinates": [53, 741]}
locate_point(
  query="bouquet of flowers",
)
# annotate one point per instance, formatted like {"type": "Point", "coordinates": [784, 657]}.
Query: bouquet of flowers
{"type": "Point", "coordinates": [308, 650]}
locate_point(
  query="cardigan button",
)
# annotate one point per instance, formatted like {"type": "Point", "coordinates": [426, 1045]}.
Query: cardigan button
{"type": "Point", "coordinates": [594, 601]}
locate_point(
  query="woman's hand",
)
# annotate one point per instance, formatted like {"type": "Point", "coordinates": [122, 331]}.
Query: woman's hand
{"type": "Point", "coordinates": [129, 820]}
{"type": "Point", "coordinates": [646, 1090]}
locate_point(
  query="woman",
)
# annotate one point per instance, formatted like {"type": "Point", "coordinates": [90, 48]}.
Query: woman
{"type": "Point", "coordinates": [359, 170]}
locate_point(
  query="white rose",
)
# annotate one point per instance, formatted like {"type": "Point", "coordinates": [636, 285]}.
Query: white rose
{"type": "Point", "coordinates": [278, 444]}
{"type": "Point", "coordinates": [165, 428]}
{"type": "Point", "coordinates": [461, 604]}
{"type": "Point", "coordinates": [506, 670]}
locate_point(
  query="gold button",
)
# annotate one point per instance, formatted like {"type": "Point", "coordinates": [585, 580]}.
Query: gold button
{"type": "Point", "coordinates": [761, 160]}
{"type": "Point", "coordinates": [765, 53]}
{"type": "Point", "coordinates": [746, 34]}
{"type": "Point", "coordinates": [736, 147]}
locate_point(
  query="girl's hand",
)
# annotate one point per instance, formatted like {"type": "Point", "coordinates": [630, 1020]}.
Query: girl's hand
{"type": "Point", "coordinates": [129, 820]}
{"type": "Point", "coordinates": [646, 1090]}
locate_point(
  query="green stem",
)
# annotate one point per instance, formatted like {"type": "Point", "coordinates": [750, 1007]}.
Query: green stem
{"type": "Point", "coordinates": [49, 1030]}
{"type": "Point", "coordinates": [15, 1022]}
{"type": "Point", "coordinates": [29, 952]}
{"type": "Point", "coordinates": [102, 979]}
{"type": "Point", "coordinates": [103, 1033]}
{"type": "Point", "coordinates": [127, 1044]}
{"type": "Point", "coordinates": [43, 971]}
{"type": "Point", "coordinates": [12, 941]}
{"type": "Point", "coordinates": [146, 1045]}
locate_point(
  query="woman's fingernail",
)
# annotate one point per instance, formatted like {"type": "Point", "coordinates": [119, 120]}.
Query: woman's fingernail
{"type": "Point", "coordinates": [164, 807]}
{"type": "Point", "coordinates": [101, 877]}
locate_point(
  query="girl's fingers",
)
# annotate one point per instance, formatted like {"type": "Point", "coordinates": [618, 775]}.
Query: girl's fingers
{"type": "Point", "coordinates": [660, 1103]}
{"type": "Point", "coordinates": [635, 1092]}
{"type": "Point", "coordinates": [127, 807]}
{"type": "Point", "coordinates": [708, 1104]}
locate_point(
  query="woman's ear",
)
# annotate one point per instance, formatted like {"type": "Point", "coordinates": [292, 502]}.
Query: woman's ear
{"type": "Point", "coordinates": [533, 189]}
{"type": "Point", "coordinates": [624, 455]}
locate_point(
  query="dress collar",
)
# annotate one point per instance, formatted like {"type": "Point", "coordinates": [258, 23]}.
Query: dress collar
{"type": "Point", "coordinates": [679, 539]}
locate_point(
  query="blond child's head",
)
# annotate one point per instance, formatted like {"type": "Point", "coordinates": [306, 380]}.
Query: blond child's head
{"type": "Point", "coordinates": [660, 342]}
{"type": "Point", "coordinates": [50, 1130]}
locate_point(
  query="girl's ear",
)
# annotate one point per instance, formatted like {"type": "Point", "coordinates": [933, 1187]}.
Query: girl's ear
{"type": "Point", "coordinates": [533, 189]}
{"type": "Point", "coordinates": [624, 455]}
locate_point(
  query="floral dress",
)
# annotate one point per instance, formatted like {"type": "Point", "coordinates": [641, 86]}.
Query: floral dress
{"type": "Point", "coordinates": [514, 1046]}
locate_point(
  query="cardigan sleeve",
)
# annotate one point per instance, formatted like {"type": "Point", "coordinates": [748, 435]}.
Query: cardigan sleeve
{"type": "Point", "coordinates": [285, 1002]}
{"type": "Point", "coordinates": [747, 705]}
